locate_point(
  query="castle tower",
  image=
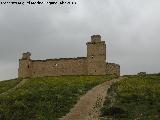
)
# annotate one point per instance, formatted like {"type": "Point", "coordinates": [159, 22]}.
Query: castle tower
{"type": "Point", "coordinates": [96, 56]}
{"type": "Point", "coordinates": [24, 65]}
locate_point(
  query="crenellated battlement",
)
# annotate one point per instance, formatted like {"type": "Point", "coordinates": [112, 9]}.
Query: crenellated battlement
{"type": "Point", "coordinates": [58, 59]}
{"type": "Point", "coordinates": [26, 56]}
{"type": "Point", "coordinates": [95, 38]}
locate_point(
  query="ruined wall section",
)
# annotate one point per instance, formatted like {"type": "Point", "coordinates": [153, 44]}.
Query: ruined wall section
{"type": "Point", "coordinates": [24, 68]}
{"type": "Point", "coordinates": [56, 67]}
{"type": "Point", "coordinates": [112, 68]}
{"type": "Point", "coordinates": [25, 64]}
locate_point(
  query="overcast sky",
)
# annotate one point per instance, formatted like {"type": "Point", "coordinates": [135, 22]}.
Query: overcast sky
{"type": "Point", "coordinates": [131, 29]}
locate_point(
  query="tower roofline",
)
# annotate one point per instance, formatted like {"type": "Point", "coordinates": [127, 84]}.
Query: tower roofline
{"type": "Point", "coordinates": [95, 38]}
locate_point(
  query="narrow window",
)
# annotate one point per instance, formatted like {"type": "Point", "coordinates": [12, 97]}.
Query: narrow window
{"type": "Point", "coordinates": [28, 66]}
{"type": "Point", "coordinates": [95, 70]}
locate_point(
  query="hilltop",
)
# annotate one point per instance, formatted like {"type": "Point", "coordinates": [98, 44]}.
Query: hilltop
{"type": "Point", "coordinates": [45, 98]}
{"type": "Point", "coordinates": [49, 98]}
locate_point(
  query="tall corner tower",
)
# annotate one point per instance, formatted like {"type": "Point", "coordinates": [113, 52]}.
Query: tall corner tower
{"type": "Point", "coordinates": [24, 69]}
{"type": "Point", "coordinates": [96, 56]}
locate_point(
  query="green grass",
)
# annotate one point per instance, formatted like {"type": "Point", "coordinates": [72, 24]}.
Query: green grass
{"type": "Point", "coordinates": [135, 98]}
{"type": "Point", "coordinates": [8, 84]}
{"type": "Point", "coordinates": [46, 98]}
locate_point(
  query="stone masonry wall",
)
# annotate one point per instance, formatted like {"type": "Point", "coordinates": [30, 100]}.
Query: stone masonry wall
{"type": "Point", "coordinates": [56, 67]}
{"type": "Point", "coordinates": [24, 68]}
{"type": "Point", "coordinates": [112, 68]}
{"type": "Point", "coordinates": [96, 57]}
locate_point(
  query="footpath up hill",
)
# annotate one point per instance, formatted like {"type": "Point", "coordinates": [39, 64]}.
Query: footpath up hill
{"type": "Point", "coordinates": [46, 98]}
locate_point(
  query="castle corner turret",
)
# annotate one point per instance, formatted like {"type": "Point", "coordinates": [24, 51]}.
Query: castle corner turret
{"type": "Point", "coordinates": [25, 65]}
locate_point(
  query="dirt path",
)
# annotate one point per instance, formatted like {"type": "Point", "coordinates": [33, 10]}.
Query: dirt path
{"type": "Point", "coordinates": [88, 107]}
{"type": "Point", "coordinates": [14, 88]}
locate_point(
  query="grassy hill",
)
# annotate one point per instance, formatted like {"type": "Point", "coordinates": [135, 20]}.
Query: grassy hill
{"type": "Point", "coordinates": [45, 98]}
{"type": "Point", "coordinates": [135, 98]}
{"type": "Point", "coordinates": [7, 84]}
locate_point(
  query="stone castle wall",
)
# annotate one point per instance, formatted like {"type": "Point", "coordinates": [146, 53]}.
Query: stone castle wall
{"type": "Point", "coordinates": [70, 66]}
{"type": "Point", "coordinates": [93, 64]}
{"type": "Point", "coordinates": [112, 68]}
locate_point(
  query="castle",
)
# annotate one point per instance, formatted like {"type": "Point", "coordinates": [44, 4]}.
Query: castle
{"type": "Point", "coordinates": [94, 64]}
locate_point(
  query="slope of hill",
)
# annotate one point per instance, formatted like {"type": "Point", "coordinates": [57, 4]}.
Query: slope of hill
{"type": "Point", "coordinates": [46, 98]}
{"type": "Point", "coordinates": [135, 98]}
{"type": "Point", "coordinates": [7, 84]}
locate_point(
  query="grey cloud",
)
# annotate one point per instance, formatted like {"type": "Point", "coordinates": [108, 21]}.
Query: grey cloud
{"type": "Point", "coordinates": [130, 29]}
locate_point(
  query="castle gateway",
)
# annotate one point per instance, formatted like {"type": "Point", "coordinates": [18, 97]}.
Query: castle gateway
{"type": "Point", "coordinates": [94, 64]}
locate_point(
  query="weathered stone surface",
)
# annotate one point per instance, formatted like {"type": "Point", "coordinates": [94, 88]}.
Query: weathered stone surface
{"type": "Point", "coordinates": [93, 64]}
{"type": "Point", "coordinates": [112, 68]}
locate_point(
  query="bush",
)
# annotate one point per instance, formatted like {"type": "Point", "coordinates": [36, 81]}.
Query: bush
{"type": "Point", "coordinates": [114, 111]}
